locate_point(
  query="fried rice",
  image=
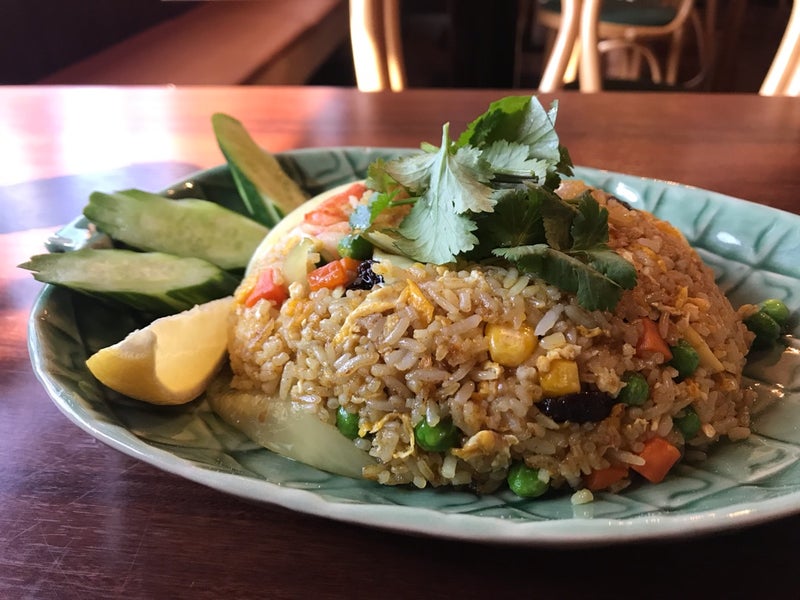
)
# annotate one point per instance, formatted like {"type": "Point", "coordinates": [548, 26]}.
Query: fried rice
{"type": "Point", "coordinates": [418, 346]}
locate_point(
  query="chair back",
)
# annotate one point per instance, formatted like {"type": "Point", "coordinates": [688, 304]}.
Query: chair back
{"type": "Point", "coordinates": [598, 35]}
{"type": "Point", "coordinates": [595, 27]}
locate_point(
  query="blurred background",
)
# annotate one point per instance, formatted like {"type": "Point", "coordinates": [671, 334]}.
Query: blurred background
{"type": "Point", "coordinates": [446, 43]}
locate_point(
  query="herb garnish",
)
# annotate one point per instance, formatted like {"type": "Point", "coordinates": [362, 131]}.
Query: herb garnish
{"type": "Point", "coordinates": [576, 256]}
{"type": "Point", "coordinates": [491, 193]}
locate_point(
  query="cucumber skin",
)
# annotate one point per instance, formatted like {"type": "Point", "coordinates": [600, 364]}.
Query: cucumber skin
{"type": "Point", "coordinates": [189, 227]}
{"type": "Point", "coordinates": [135, 267]}
{"type": "Point", "coordinates": [266, 190]}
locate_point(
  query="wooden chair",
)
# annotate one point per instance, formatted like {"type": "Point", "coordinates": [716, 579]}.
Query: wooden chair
{"type": "Point", "coordinates": [783, 77]}
{"type": "Point", "coordinates": [562, 49]}
{"type": "Point", "coordinates": [375, 36]}
{"type": "Point", "coordinates": [614, 25]}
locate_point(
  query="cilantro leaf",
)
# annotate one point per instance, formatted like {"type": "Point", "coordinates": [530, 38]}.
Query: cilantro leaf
{"type": "Point", "coordinates": [613, 266]}
{"type": "Point", "coordinates": [593, 289]}
{"type": "Point", "coordinates": [524, 122]}
{"type": "Point", "coordinates": [516, 221]}
{"type": "Point", "coordinates": [436, 236]}
{"type": "Point", "coordinates": [500, 121]}
{"type": "Point", "coordinates": [458, 178]}
{"type": "Point", "coordinates": [520, 119]}
{"type": "Point", "coordinates": [451, 184]}
{"type": "Point", "coordinates": [557, 218]}
{"type": "Point", "coordinates": [564, 165]}
{"type": "Point", "coordinates": [590, 226]}
{"type": "Point", "coordinates": [412, 172]}
{"type": "Point", "coordinates": [465, 177]}
{"type": "Point", "coordinates": [576, 257]}
{"type": "Point", "coordinates": [512, 159]}
{"type": "Point", "coordinates": [377, 177]}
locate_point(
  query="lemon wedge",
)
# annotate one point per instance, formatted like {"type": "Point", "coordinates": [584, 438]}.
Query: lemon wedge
{"type": "Point", "coordinates": [172, 360]}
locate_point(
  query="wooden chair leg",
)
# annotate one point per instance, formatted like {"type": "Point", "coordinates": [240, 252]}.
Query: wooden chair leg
{"type": "Point", "coordinates": [634, 64]}
{"type": "Point", "coordinates": [652, 63]}
{"type": "Point", "coordinates": [783, 77]}
{"type": "Point", "coordinates": [590, 77]}
{"type": "Point", "coordinates": [369, 45]}
{"type": "Point", "coordinates": [375, 36]}
{"type": "Point", "coordinates": [706, 49]}
{"type": "Point", "coordinates": [633, 53]}
{"type": "Point", "coordinates": [553, 75]}
{"type": "Point", "coordinates": [573, 66]}
{"type": "Point", "coordinates": [674, 56]}
{"type": "Point", "coordinates": [395, 62]}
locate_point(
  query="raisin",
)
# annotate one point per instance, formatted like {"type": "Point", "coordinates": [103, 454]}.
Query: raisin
{"type": "Point", "coordinates": [366, 278]}
{"type": "Point", "coordinates": [583, 407]}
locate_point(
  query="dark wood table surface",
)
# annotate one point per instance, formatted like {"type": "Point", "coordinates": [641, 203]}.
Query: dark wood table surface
{"type": "Point", "coordinates": [81, 520]}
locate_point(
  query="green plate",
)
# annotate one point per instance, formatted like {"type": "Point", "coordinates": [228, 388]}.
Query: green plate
{"type": "Point", "coordinates": [754, 250]}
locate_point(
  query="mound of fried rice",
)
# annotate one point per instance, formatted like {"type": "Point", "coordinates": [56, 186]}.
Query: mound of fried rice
{"type": "Point", "coordinates": [416, 347]}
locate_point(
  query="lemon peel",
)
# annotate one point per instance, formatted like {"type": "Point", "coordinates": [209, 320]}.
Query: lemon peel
{"type": "Point", "coordinates": [172, 360]}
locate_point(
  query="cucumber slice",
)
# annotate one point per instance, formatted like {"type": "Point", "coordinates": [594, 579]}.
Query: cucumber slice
{"type": "Point", "coordinates": [152, 282]}
{"type": "Point", "coordinates": [286, 429]}
{"type": "Point", "coordinates": [267, 191]}
{"type": "Point", "coordinates": [189, 227]}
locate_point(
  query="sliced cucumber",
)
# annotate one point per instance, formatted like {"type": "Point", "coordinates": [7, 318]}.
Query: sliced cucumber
{"type": "Point", "coordinates": [152, 282]}
{"type": "Point", "coordinates": [286, 429]}
{"type": "Point", "coordinates": [189, 227]}
{"type": "Point", "coordinates": [267, 191]}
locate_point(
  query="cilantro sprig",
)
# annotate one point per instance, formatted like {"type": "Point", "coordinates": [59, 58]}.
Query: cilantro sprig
{"type": "Point", "coordinates": [449, 184]}
{"type": "Point", "coordinates": [490, 194]}
{"type": "Point", "coordinates": [575, 255]}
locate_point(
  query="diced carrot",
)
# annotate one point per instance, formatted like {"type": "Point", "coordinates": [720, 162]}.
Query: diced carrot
{"type": "Point", "coordinates": [266, 289]}
{"type": "Point", "coordinates": [335, 273]}
{"type": "Point", "coordinates": [605, 478]}
{"type": "Point", "coordinates": [336, 209]}
{"type": "Point", "coordinates": [651, 341]}
{"type": "Point", "coordinates": [659, 457]}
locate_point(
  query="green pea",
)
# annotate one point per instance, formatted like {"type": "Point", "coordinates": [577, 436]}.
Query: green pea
{"type": "Point", "coordinates": [436, 438]}
{"type": "Point", "coordinates": [347, 423]}
{"type": "Point", "coordinates": [766, 328]}
{"type": "Point", "coordinates": [684, 358]}
{"type": "Point", "coordinates": [688, 424]}
{"type": "Point", "coordinates": [636, 389]}
{"type": "Point", "coordinates": [354, 246]}
{"type": "Point", "coordinates": [775, 309]}
{"type": "Point", "coordinates": [524, 481]}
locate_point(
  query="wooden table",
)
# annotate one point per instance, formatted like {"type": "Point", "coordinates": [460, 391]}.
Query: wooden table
{"type": "Point", "coordinates": [81, 520]}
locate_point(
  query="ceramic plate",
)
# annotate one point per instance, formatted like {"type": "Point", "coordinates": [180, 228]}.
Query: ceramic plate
{"type": "Point", "coordinates": [754, 250]}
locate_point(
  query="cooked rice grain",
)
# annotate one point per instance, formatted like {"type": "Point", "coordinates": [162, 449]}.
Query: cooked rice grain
{"type": "Point", "coordinates": [396, 357]}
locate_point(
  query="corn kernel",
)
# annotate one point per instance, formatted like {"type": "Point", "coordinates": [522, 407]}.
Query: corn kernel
{"type": "Point", "coordinates": [561, 379]}
{"type": "Point", "coordinates": [509, 346]}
